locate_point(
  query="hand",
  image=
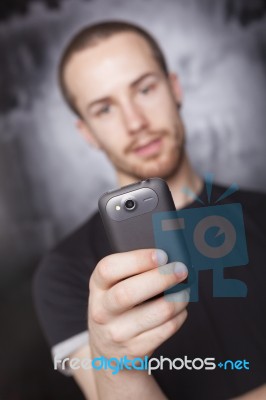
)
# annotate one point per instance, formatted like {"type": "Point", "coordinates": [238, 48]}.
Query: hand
{"type": "Point", "coordinates": [119, 323]}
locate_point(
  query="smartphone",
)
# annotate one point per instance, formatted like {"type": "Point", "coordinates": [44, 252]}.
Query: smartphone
{"type": "Point", "coordinates": [127, 213]}
{"type": "Point", "coordinates": [128, 217]}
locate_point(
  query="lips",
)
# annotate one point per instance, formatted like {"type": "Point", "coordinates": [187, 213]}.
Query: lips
{"type": "Point", "coordinates": [149, 148]}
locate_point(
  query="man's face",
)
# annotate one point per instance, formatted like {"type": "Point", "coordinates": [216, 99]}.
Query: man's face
{"type": "Point", "coordinates": [128, 106]}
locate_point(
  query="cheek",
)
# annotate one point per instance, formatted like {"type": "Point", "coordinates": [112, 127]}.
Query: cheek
{"type": "Point", "coordinates": [109, 130]}
{"type": "Point", "coordinates": [111, 145]}
{"type": "Point", "coordinates": [170, 105]}
{"type": "Point", "coordinates": [162, 108]}
{"type": "Point", "coordinates": [103, 131]}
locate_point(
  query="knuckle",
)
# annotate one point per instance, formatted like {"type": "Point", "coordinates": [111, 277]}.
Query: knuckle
{"type": "Point", "coordinates": [115, 335]}
{"type": "Point", "coordinates": [168, 309]}
{"type": "Point", "coordinates": [162, 334]}
{"type": "Point", "coordinates": [121, 295]}
{"type": "Point", "coordinates": [174, 325]}
{"type": "Point", "coordinates": [103, 269]}
{"type": "Point", "coordinates": [184, 315]}
{"type": "Point", "coordinates": [98, 315]}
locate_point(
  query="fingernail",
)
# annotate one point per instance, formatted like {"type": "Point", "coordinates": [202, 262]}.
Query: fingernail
{"type": "Point", "coordinates": [161, 257]}
{"type": "Point", "coordinates": [180, 268]}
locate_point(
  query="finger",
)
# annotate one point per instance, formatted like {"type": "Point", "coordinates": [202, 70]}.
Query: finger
{"type": "Point", "coordinates": [149, 315]}
{"type": "Point", "coordinates": [115, 267]}
{"type": "Point", "coordinates": [136, 289]}
{"type": "Point", "coordinates": [146, 342]}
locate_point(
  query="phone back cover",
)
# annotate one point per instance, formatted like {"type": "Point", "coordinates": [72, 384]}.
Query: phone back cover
{"type": "Point", "coordinates": [136, 232]}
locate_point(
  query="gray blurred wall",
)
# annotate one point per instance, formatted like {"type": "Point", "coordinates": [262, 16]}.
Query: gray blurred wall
{"type": "Point", "coordinates": [49, 177]}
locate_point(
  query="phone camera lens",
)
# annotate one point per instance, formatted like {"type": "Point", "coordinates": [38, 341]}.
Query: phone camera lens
{"type": "Point", "coordinates": [130, 204]}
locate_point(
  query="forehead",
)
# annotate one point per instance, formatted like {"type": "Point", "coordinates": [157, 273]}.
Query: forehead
{"type": "Point", "coordinates": [114, 61]}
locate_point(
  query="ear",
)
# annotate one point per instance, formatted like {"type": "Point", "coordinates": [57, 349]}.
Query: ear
{"type": "Point", "coordinates": [176, 88]}
{"type": "Point", "coordinates": [84, 130]}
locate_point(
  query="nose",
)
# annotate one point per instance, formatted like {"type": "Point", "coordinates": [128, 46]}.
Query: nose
{"type": "Point", "coordinates": [134, 118]}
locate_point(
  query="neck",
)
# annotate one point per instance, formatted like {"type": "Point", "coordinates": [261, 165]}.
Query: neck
{"type": "Point", "coordinates": [184, 177]}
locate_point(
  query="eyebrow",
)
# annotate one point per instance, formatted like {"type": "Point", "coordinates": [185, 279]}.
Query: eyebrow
{"type": "Point", "coordinates": [132, 85]}
{"type": "Point", "coordinates": [142, 77]}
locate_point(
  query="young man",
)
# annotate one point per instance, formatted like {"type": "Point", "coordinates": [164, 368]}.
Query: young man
{"type": "Point", "coordinates": [91, 302]}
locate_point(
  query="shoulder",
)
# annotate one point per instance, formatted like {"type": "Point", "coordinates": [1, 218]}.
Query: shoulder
{"type": "Point", "coordinates": [251, 199]}
{"type": "Point", "coordinates": [253, 204]}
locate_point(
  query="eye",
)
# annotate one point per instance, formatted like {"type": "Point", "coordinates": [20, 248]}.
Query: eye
{"type": "Point", "coordinates": [148, 88]}
{"type": "Point", "coordinates": [104, 110]}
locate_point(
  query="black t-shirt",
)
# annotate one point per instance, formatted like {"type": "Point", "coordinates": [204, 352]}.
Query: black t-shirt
{"type": "Point", "coordinates": [224, 328]}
